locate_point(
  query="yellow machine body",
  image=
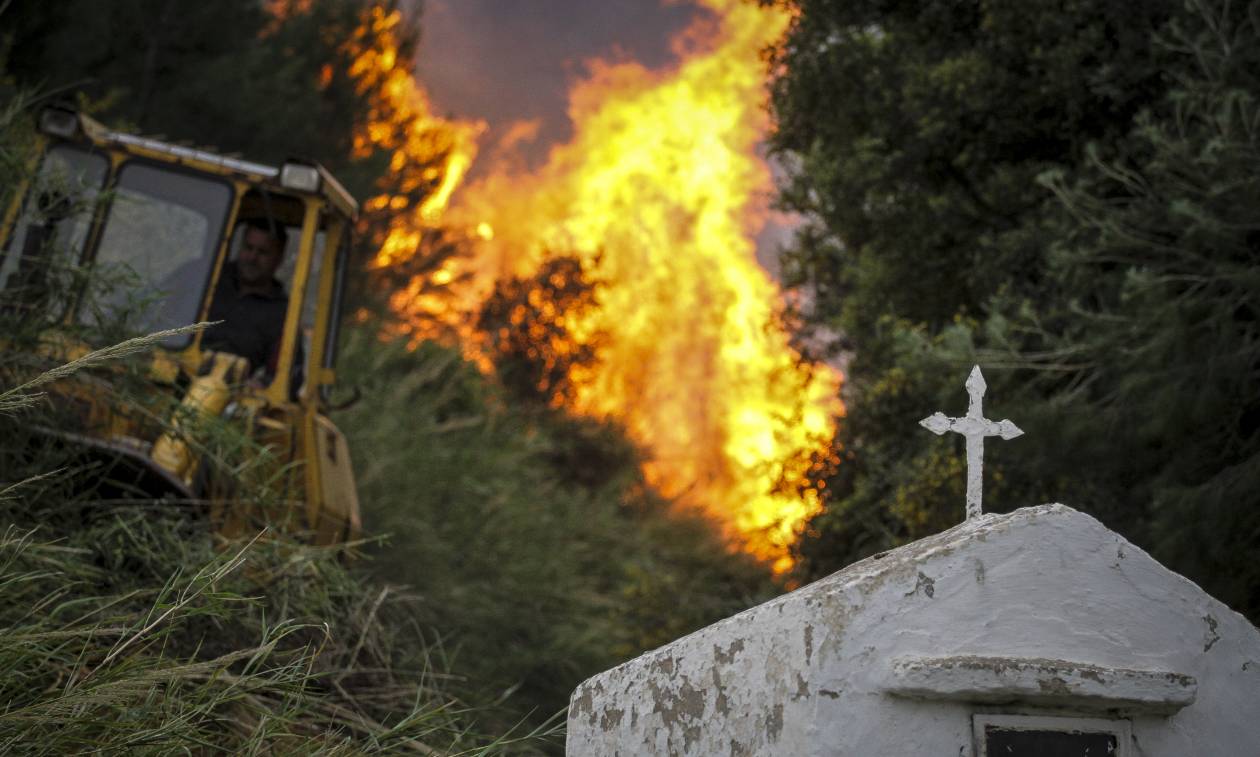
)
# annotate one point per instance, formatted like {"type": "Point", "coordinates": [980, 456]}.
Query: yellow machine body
{"type": "Point", "coordinates": [170, 215]}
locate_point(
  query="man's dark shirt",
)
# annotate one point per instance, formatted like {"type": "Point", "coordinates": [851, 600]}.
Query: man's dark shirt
{"type": "Point", "coordinates": [252, 323]}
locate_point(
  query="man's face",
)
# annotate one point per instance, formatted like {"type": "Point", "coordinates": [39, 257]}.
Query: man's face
{"type": "Point", "coordinates": [258, 258]}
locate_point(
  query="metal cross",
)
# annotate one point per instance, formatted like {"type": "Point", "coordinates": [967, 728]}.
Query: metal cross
{"type": "Point", "coordinates": [975, 427]}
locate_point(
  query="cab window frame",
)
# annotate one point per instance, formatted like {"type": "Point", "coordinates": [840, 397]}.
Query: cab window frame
{"type": "Point", "coordinates": [70, 305]}
{"type": "Point", "coordinates": [336, 305]}
{"type": "Point", "coordinates": [219, 248]}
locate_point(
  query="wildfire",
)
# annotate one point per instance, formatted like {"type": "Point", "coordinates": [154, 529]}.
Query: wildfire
{"type": "Point", "coordinates": [428, 155]}
{"type": "Point", "coordinates": [659, 195]}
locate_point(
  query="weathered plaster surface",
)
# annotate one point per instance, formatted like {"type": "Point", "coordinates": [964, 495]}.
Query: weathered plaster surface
{"type": "Point", "coordinates": [1042, 682]}
{"type": "Point", "coordinates": [815, 672]}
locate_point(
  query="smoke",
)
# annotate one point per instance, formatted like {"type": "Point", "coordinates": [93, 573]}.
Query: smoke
{"type": "Point", "coordinates": [509, 63]}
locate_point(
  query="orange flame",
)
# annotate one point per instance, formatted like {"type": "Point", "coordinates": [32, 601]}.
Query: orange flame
{"type": "Point", "coordinates": [659, 194]}
{"type": "Point", "coordinates": [428, 155]}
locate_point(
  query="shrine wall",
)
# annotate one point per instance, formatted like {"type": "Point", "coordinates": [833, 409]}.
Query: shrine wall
{"type": "Point", "coordinates": [1040, 612]}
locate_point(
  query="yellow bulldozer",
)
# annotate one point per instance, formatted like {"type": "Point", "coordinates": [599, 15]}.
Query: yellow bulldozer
{"type": "Point", "coordinates": [185, 229]}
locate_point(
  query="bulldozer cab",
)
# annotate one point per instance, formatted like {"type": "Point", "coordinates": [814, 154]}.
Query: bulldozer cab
{"type": "Point", "coordinates": [160, 226]}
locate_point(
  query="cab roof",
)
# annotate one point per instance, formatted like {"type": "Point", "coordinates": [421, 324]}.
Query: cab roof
{"type": "Point", "coordinates": [69, 124]}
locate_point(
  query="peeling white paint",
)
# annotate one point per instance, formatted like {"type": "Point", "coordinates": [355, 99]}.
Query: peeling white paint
{"type": "Point", "coordinates": [1042, 682]}
{"type": "Point", "coordinates": [1042, 611]}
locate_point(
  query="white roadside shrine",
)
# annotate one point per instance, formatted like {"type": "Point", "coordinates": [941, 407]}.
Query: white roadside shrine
{"type": "Point", "coordinates": [1038, 632]}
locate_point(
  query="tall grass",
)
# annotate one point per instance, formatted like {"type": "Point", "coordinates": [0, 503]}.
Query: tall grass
{"type": "Point", "coordinates": [124, 629]}
{"type": "Point", "coordinates": [528, 536]}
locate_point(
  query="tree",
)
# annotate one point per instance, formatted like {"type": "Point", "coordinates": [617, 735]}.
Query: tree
{"type": "Point", "coordinates": [999, 182]}
{"type": "Point", "coordinates": [919, 130]}
{"type": "Point", "coordinates": [1163, 255]}
{"type": "Point", "coordinates": [222, 74]}
{"type": "Point", "coordinates": [927, 226]}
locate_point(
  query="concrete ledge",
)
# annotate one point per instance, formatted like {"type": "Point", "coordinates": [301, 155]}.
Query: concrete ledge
{"type": "Point", "coordinates": [1000, 680]}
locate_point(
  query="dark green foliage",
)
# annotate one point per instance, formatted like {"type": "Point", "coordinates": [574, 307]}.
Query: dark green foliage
{"type": "Point", "coordinates": [920, 129]}
{"type": "Point", "coordinates": [529, 536]}
{"type": "Point", "coordinates": [1164, 257]}
{"type": "Point", "coordinates": [1066, 195]}
{"type": "Point", "coordinates": [221, 74]}
{"type": "Point", "coordinates": [918, 133]}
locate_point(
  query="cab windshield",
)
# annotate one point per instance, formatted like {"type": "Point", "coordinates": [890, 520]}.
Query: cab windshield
{"type": "Point", "coordinates": [161, 232]}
